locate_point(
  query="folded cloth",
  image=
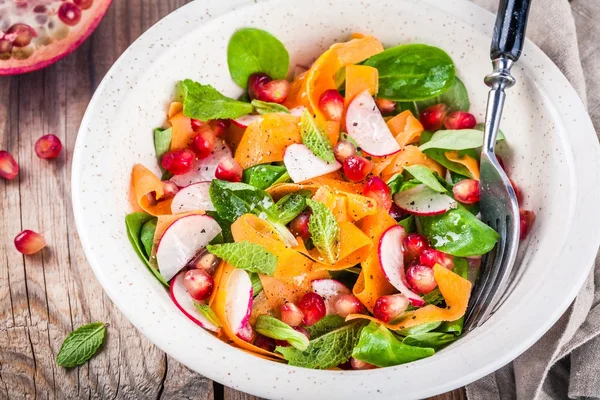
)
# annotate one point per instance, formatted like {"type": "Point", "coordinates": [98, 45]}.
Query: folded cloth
{"type": "Point", "coordinates": [565, 362]}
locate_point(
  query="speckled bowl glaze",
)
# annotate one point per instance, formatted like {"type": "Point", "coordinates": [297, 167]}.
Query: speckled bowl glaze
{"type": "Point", "coordinates": [554, 155]}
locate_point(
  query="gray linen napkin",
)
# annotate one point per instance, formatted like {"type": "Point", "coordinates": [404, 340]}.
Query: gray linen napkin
{"type": "Point", "coordinates": [564, 363]}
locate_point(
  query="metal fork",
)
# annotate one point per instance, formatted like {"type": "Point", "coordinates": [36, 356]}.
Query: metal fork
{"type": "Point", "coordinates": [499, 207]}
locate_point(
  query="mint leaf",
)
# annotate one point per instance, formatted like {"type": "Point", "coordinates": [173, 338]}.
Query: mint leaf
{"type": "Point", "coordinates": [315, 139]}
{"type": "Point", "coordinates": [324, 230]}
{"type": "Point", "coordinates": [264, 107]}
{"type": "Point", "coordinates": [326, 351]}
{"type": "Point", "coordinates": [291, 205]}
{"type": "Point", "coordinates": [247, 256]}
{"type": "Point", "coordinates": [252, 50]}
{"type": "Point", "coordinates": [426, 176]}
{"type": "Point", "coordinates": [81, 345]}
{"type": "Point", "coordinates": [326, 324]}
{"type": "Point", "coordinates": [460, 139]}
{"type": "Point", "coordinates": [275, 329]}
{"type": "Point", "coordinates": [209, 313]}
{"type": "Point", "coordinates": [204, 102]}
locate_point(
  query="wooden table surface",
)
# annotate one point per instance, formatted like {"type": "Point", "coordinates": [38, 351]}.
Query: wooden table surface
{"type": "Point", "coordinates": [45, 296]}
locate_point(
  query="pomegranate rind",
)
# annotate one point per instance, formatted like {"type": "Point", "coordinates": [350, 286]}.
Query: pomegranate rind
{"type": "Point", "coordinates": [49, 54]}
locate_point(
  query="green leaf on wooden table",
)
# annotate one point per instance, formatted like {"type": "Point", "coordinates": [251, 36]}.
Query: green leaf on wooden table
{"type": "Point", "coordinates": [204, 102]}
{"type": "Point", "coordinates": [248, 256]}
{"type": "Point", "coordinates": [81, 345]}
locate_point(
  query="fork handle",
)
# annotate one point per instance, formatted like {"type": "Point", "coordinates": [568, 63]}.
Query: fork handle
{"type": "Point", "coordinates": [509, 31]}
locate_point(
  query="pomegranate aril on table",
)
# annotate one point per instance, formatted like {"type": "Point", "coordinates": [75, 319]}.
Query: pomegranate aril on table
{"type": "Point", "coordinates": [48, 146]}
{"type": "Point", "coordinates": [313, 307]}
{"type": "Point", "coordinates": [460, 120]}
{"type": "Point", "coordinates": [29, 242]}
{"type": "Point", "coordinates": [9, 169]}
{"type": "Point", "coordinates": [432, 118]}
{"type": "Point", "coordinates": [331, 104]}
{"type": "Point", "coordinates": [388, 308]}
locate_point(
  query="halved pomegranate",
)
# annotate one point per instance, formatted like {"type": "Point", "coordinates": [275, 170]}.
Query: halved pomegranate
{"type": "Point", "coordinates": [35, 34]}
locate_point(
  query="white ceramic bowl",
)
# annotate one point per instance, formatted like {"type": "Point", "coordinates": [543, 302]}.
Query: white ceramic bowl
{"type": "Point", "coordinates": [554, 156]}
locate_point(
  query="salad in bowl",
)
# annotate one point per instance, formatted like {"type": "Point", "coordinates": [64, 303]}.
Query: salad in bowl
{"type": "Point", "coordinates": [326, 221]}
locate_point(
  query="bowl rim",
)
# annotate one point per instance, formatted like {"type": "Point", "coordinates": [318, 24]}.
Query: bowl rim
{"type": "Point", "coordinates": [585, 249]}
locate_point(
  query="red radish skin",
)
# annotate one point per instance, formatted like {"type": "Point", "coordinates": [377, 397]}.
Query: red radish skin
{"type": "Point", "coordinates": [467, 191]}
{"type": "Point", "coordinates": [379, 191]}
{"type": "Point", "coordinates": [424, 201]}
{"type": "Point", "coordinates": [23, 49]}
{"type": "Point", "coordinates": [388, 308]}
{"type": "Point", "coordinates": [303, 164]}
{"type": "Point", "coordinates": [460, 120]}
{"type": "Point", "coordinates": [385, 106]}
{"type": "Point", "coordinates": [313, 307]}
{"type": "Point", "coordinates": [344, 149]}
{"type": "Point", "coordinates": [199, 284]}
{"type": "Point", "coordinates": [366, 126]}
{"type": "Point", "coordinates": [414, 245]}
{"type": "Point", "coordinates": [432, 118]}
{"type": "Point", "coordinates": [329, 290]}
{"type": "Point", "coordinates": [331, 104]}
{"type": "Point", "coordinates": [429, 257]}
{"type": "Point", "coordinates": [204, 141]}
{"type": "Point", "coordinates": [29, 242]}
{"type": "Point", "coordinates": [204, 170]}
{"type": "Point", "coordinates": [420, 278]}
{"type": "Point", "coordinates": [291, 314]}
{"type": "Point", "coordinates": [360, 365]}
{"type": "Point", "coordinates": [185, 303]}
{"type": "Point", "coordinates": [205, 261]}
{"type": "Point", "coordinates": [356, 168]}
{"type": "Point", "coordinates": [238, 305]}
{"type": "Point", "coordinates": [229, 170]}
{"type": "Point", "coordinates": [178, 162]}
{"type": "Point", "coordinates": [527, 218]}
{"type": "Point", "coordinates": [346, 304]}
{"type": "Point", "coordinates": [243, 122]}
{"type": "Point", "coordinates": [299, 226]}
{"type": "Point", "coordinates": [192, 197]}
{"type": "Point", "coordinates": [9, 169]}
{"type": "Point", "coordinates": [391, 259]}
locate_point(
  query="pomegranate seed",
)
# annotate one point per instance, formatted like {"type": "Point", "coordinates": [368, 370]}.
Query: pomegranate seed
{"type": "Point", "coordinates": [460, 120]}
{"type": "Point", "coordinates": [204, 141]}
{"type": "Point", "coordinates": [432, 117]}
{"type": "Point", "coordinates": [246, 333]}
{"type": "Point", "coordinates": [69, 13]}
{"type": "Point", "coordinates": [178, 162]}
{"type": "Point", "coordinates": [420, 278]}
{"type": "Point", "coordinates": [429, 257]}
{"type": "Point", "coordinates": [379, 191]}
{"type": "Point", "coordinates": [414, 244]}
{"type": "Point", "coordinates": [385, 106]}
{"type": "Point", "coordinates": [359, 365]}
{"type": "Point", "coordinates": [467, 191]}
{"type": "Point", "coordinates": [205, 261]}
{"type": "Point", "coordinates": [331, 104]}
{"type": "Point", "coordinates": [291, 314]}
{"type": "Point", "coordinates": [198, 283]}
{"type": "Point", "coordinates": [346, 304]}
{"type": "Point", "coordinates": [344, 149]}
{"type": "Point", "coordinates": [313, 307]}
{"type": "Point", "coordinates": [264, 342]}
{"type": "Point", "coordinates": [396, 212]}
{"type": "Point", "coordinates": [388, 308]}
{"type": "Point", "coordinates": [356, 168]}
{"type": "Point", "coordinates": [219, 126]}
{"type": "Point", "coordinates": [29, 242]}
{"type": "Point", "coordinates": [21, 35]}
{"type": "Point", "coordinates": [83, 4]}
{"type": "Point", "coordinates": [5, 46]}
{"type": "Point", "coordinates": [196, 124]}
{"type": "Point", "coordinates": [48, 146]}
{"type": "Point", "coordinates": [527, 220]}
{"type": "Point", "coordinates": [261, 87]}
{"type": "Point", "coordinates": [9, 168]}
{"type": "Point", "coordinates": [517, 190]}
{"type": "Point", "coordinates": [299, 225]}
{"type": "Point", "coordinates": [285, 343]}
{"type": "Point", "coordinates": [229, 170]}
{"type": "Point", "coordinates": [170, 189]}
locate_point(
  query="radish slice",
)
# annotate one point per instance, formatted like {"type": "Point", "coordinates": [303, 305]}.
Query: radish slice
{"type": "Point", "coordinates": [238, 306]}
{"type": "Point", "coordinates": [181, 242]}
{"type": "Point", "coordinates": [244, 121]}
{"type": "Point", "coordinates": [191, 198]}
{"type": "Point", "coordinates": [366, 126]}
{"type": "Point", "coordinates": [204, 169]}
{"type": "Point", "coordinates": [329, 290]}
{"type": "Point", "coordinates": [303, 164]}
{"type": "Point", "coordinates": [185, 303]}
{"type": "Point", "coordinates": [297, 111]}
{"type": "Point", "coordinates": [391, 258]}
{"type": "Point", "coordinates": [422, 200]}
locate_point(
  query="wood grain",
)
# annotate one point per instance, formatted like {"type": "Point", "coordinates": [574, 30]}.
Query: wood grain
{"type": "Point", "coordinates": [45, 296]}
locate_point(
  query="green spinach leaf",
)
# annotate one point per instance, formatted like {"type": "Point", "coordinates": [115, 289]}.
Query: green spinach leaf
{"type": "Point", "coordinates": [134, 223]}
{"type": "Point", "coordinates": [315, 138]}
{"type": "Point", "coordinates": [248, 256]}
{"type": "Point", "coordinates": [395, 183]}
{"type": "Point", "coordinates": [324, 230]}
{"type": "Point", "coordinates": [439, 156]}
{"type": "Point", "coordinates": [461, 139]}
{"type": "Point", "coordinates": [456, 98]}
{"type": "Point", "coordinates": [409, 224]}
{"type": "Point", "coordinates": [204, 102]}
{"type": "Point", "coordinates": [279, 330]}
{"type": "Point", "coordinates": [263, 176]}
{"type": "Point", "coordinates": [291, 205]}
{"type": "Point", "coordinates": [264, 107]}
{"type": "Point", "coordinates": [225, 235]}
{"type": "Point", "coordinates": [162, 142]}
{"type": "Point", "coordinates": [459, 233]}
{"type": "Point", "coordinates": [379, 346]}
{"type": "Point", "coordinates": [421, 328]}
{"type": "Point", "coordinates": [147, 236]}
{"type": "Point", "coordinates": [433, 340]}
{"type": "Point", "coordinates": [413, 72]}
{"type": "Point", "coordinates": [257, 286]}
{"type": "Point", "coordinates": [426, 176]}
{"type": "Point", "coordinates": [253, 50]}
{"type": "Point", "coordinates": [209, 313]}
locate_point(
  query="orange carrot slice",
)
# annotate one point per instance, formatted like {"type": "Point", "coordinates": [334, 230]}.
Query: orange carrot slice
{"type": "Point", "coordinates": [456, 291]}
{"type": "Point", "coordinates": [145, 182]}
{"type": "Point", "coordinates": [182, 133]}
{"type": "Point", "coordinates": [410, 155]}
{"type": "Point", "coordinates": [358, 79]}
{"type": "Point", "coordinates": [405, 127]}
{"type": "Point", "coordinates": [466, 160]}
{"type": "Point", "coordinates": [174, 108]}
{"type": "Point", "coordinates": [266, 139]}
